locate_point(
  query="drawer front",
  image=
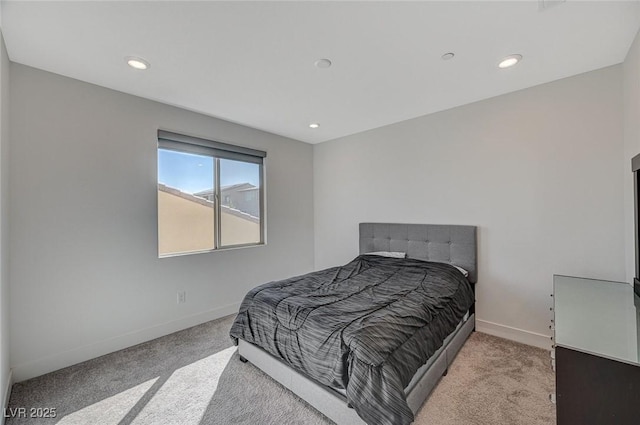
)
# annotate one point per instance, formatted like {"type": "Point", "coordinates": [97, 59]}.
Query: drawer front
{"type": "Point", "coordinates": [592, 390]}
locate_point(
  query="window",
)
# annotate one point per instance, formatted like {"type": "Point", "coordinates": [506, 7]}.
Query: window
{"type": "Point", "coordinates": [210, 195]}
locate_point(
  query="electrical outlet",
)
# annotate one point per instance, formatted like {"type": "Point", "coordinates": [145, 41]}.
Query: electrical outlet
{"type": "Point", "coordinates": [182, 297]}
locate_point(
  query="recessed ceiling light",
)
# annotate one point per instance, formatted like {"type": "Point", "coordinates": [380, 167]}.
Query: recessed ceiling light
{"type": "Point", "coordinates": [447, 56]}
{"type": "Point", "coordinates": [137, 63]}
{"type": "Point", "coordinates": [509, 61]}
{"type": "Point", "coordinates": [322, 63]}
{"type": "Point", "coordinates": [314, 125]}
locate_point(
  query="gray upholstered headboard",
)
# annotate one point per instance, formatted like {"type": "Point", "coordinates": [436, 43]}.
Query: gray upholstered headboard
{"type": "Point", "coordinates": [453, 244]}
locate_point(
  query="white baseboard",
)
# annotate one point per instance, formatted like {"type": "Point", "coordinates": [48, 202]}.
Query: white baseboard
{"type": "Point", "coordinates": [7, 394]}
{"type": "Point", "coordinates": [514, 334]}
{"type": "Point", "coordinates": [63, 359]}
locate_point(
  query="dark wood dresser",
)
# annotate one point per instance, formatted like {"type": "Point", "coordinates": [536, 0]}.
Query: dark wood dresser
{"type": "Point", "coordinates": [597, 340]}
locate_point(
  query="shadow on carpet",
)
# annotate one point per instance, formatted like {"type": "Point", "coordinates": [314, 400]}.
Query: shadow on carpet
{"type": "Point", "coordinates": [195, 377]}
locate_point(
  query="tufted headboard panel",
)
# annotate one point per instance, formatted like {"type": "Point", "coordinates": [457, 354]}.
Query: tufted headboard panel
{"type": "Point", "coordinates": [453, 244]}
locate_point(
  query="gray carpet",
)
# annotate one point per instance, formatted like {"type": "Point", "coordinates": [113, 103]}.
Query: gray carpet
{"type": "Point", "coordinates": [195, 377]}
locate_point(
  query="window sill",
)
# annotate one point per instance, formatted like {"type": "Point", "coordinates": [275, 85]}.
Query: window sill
{"type": "Point", "coordinates": [207, 251]}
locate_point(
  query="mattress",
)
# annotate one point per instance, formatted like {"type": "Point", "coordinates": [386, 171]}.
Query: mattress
{"type": "Point", "coordinates": [365, 327]}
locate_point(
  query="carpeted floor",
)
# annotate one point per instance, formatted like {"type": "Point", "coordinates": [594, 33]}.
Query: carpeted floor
{"type": "Point", "coordinates": [195, 377]}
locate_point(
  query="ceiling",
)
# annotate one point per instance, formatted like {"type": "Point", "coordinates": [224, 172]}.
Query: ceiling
{"type": "Point", "coordinates": [253, 62]}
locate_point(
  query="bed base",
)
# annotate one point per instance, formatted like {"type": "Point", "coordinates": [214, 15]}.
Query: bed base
{"type": "Point", "coordinates": [332, 403]}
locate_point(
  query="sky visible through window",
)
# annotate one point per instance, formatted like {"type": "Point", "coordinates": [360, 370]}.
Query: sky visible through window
{"type": "Point", "coordinates": [192, 173]}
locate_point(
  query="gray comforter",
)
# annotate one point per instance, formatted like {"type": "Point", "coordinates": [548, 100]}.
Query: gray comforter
{"type": "Point", "coordinates": [365, 327]}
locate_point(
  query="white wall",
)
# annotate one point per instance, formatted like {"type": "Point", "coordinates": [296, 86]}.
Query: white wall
{"type": "Point", "coordinates": [537, 170]}
{"type": "Point", "coordinates": [84, 268]}
{"type": "Point", "coordinates": [631, 97]}
{"type": "Point", "coordinates": [5, 375]}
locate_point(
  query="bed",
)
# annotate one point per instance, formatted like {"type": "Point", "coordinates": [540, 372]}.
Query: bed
{"type": "Point", "coordinates": [365, 343]}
